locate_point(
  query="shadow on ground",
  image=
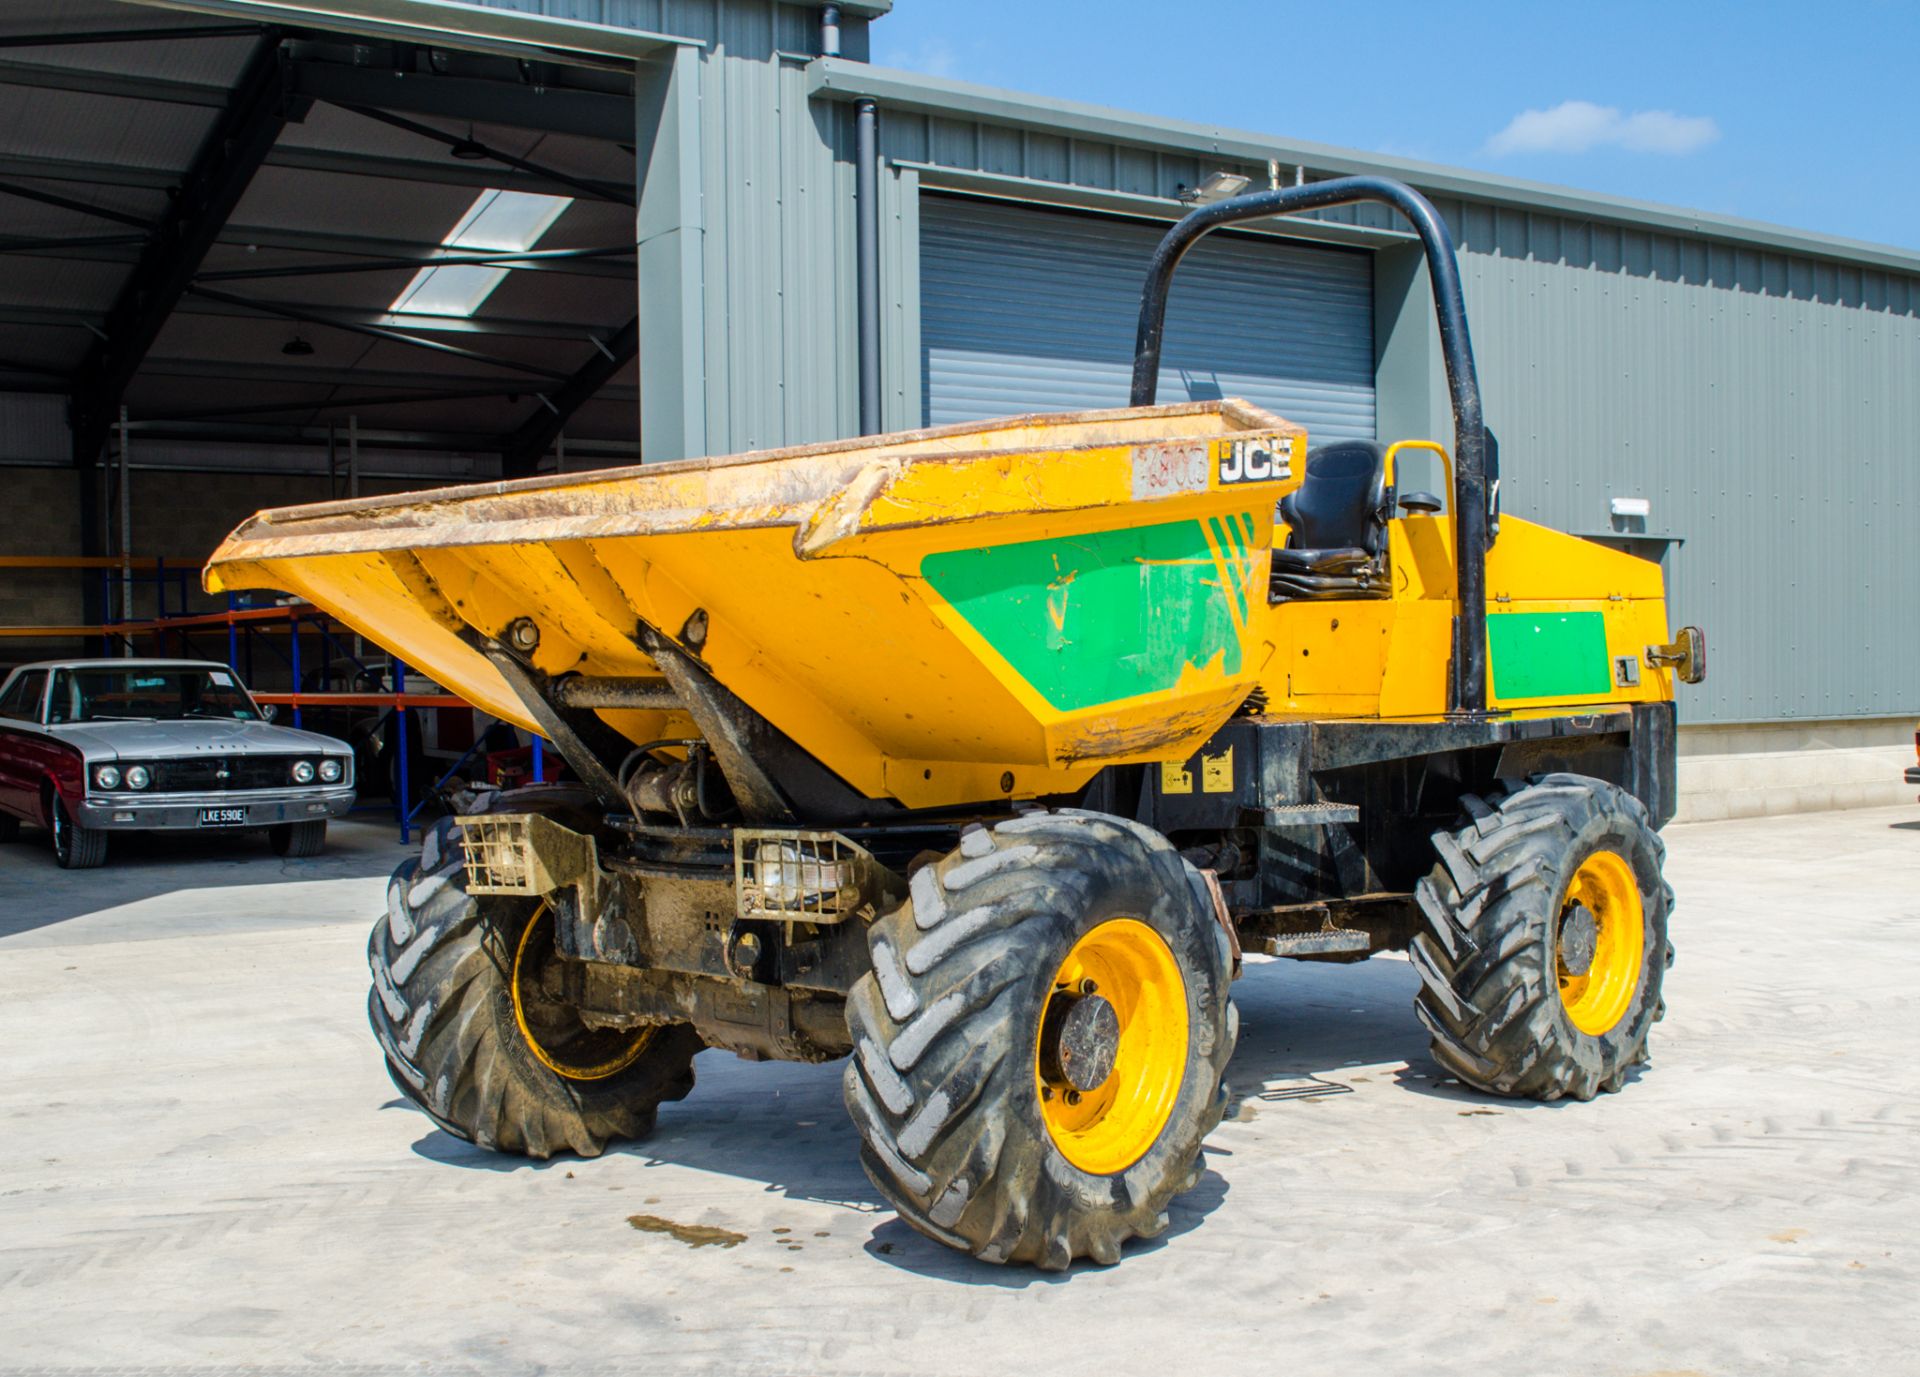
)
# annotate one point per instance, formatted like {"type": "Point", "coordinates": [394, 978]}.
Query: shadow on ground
{"type": "Point", "coordinates": [1305, 1029]}
{"type": "Point", "coordinates": [143, 867]}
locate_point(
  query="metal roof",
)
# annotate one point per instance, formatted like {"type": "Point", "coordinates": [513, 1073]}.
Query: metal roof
{"type": "Point", "coordinates": [125, 122]}
{"type": "Point", "coordinates": [839, 77]}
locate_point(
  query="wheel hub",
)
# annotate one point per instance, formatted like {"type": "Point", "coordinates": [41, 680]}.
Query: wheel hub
{"type": "Point", "coordinates": [1579, 939]}
{"type": "Point", "coordinates": [1079, 1041]}
{"type": "Point", "coordinates": [1600, 942]}
{"type": "Point", "coordinates": [1112, 1045]}
{"type": "Point", "coordinates": [555, 1033]}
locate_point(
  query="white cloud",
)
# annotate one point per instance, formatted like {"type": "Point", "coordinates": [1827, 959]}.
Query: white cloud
{"type": "Point", "coordinates": [935, 57]}
{"type": "Point", "coordinates": [1576, 126]}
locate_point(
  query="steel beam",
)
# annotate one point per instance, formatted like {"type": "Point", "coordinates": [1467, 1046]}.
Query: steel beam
{"type": "Point", "coordinates": [198, 303]}
{"type": "Point", "coordinates": [339, 402]}
{"type": "Point", "coordinates": [53, 198]}
{"type": "Point", "coordinates": [38, 369]}
{"type": "Point", "coordinates": [507, 259]}
{"type": "Point", "coordinates": [119, 85]}
{"type": "Point", "coordinates": [94, 174]}
{"type": "Point", "coordinates": [380, 332]}
{"type": "Point", "coordinates": [354, 245]}
{"type": "Point", "coordinates": [262, 105]}
{"type": "Point", "coordinates": [525, 446]}
{"type": "Point", "coordinates": [551, 109]}
{"type": "Point", "coordinates": [55, 317]}
{"type": "Point", "coordinates": [449, 173]}
{"type": "Point", "coordinates": [76, 246]}
{"type": "Point", "coordinates": [414, 170]}
{"type": "Point", "coordinates": [255, 433]}
{"type": "Point", "coordinates": [175, 33]}
{"type": "Point", "coordinates": [580, 186]}
{"type": "Point", "coordinates": [288, 371]}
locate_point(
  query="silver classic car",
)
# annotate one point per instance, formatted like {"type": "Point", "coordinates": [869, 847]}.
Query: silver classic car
{"type": "Point", "coordinates": [89, 747]}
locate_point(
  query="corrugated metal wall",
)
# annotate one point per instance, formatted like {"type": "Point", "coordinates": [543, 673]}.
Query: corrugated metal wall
{"type": "Point", "coordinates": [1030, 310]}
{"type": "Point", "coordinates": [1769, 407]}
{"type": "Point", "coordinates": [33, 428]}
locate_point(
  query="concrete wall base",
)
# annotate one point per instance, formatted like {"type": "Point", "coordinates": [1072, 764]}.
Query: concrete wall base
{"type": "Point", "coordinates": [1743, 771]}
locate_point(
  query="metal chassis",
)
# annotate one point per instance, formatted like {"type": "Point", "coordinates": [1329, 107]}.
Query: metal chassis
{"type": "Point", "coordinates": [1316, 840]}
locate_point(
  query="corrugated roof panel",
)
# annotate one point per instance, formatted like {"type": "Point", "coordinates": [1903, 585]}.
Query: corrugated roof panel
{"type": "Point", "coordinates": [70, 282]}
{"type": "Point", "coordinates": [127, 133]}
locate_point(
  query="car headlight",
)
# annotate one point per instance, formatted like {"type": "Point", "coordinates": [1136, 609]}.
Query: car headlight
{"type": "Point", "coordinates": [138, 777]}
{"type": "Point", "coordinates": [303, 772]}
{"type": "Point", "coordinates": [107, 777]}
{"type": "Point", "coordinates": [330, 771]}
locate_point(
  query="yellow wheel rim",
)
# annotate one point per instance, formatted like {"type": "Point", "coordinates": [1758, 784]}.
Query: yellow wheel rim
{"type": "Point", "coordinates": [571, 1049]}
{"type": "Point", "coordinates": [1112, 1125]}
{"type": "Point", "coordinates": [1600, 997]}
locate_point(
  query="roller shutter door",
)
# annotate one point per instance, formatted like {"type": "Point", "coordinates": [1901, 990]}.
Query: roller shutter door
{"type": "Point", "coordinates": [1034, 310]}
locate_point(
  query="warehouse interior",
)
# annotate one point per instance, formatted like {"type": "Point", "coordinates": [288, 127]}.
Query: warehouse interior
{"type": "Point", "coordinates": [249, 266]}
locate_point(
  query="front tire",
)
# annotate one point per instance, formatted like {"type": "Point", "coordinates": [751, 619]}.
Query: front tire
{"type": "Point", "coordinates": [472, 1036]}
{"type": "Point", "coordinates": [983, 1121]}
{"type": "Point", "coordinates": [1546, 939]}
{"type": "Point", "coordinates": [75, 847]}
{"type": "Point", "coordinates": [298, 840]}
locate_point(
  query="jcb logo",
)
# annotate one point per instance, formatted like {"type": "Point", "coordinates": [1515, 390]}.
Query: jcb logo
{"type": "Point", "coordinates": [1250, 461]}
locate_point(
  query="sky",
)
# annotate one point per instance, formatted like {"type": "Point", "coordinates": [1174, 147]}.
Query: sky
{"type": "Point", "coordinates": [1805, 115]}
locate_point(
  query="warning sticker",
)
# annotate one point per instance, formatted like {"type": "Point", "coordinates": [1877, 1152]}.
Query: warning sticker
{"type": "Point", "coordinates": [1216, 773]}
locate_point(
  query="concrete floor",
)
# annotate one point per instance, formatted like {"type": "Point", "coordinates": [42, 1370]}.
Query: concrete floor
{"type": "Point", "coordinates": [206, 1166]}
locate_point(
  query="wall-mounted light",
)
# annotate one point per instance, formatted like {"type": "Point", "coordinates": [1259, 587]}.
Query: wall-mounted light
{"type": "Point", "coordinates": [1215, 186]}
{"type": "Point", "coordinates": [1631, 506]}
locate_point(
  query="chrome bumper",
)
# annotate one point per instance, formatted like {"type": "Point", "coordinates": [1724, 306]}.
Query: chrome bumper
{"type": "Point", "coordinates": [265, 808]}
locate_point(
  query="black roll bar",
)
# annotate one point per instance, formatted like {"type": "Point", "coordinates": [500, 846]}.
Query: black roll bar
{"type": "Point", "coordinates": [1467, 682]}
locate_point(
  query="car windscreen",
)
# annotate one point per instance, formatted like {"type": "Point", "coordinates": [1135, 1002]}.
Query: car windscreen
{"type": "Point", "coordinates": [167, 693]}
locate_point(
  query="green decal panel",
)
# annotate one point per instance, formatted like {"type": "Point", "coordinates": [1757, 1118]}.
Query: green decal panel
{"type": "Point", "coordinates": [1549, 655]}
{"type": "Point", "coordinates": [1093, 619]}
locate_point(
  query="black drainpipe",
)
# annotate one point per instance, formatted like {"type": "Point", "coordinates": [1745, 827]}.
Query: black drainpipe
{"type": "Point", "coordinates": [866, 191]}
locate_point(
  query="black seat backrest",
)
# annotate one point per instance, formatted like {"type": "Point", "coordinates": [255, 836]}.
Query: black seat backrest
{"type": "Point", "coordinates": [1342, 503]}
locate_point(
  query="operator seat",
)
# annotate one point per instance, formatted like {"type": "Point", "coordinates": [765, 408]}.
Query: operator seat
{"type": "Point", "coordinates": [1337, 524]}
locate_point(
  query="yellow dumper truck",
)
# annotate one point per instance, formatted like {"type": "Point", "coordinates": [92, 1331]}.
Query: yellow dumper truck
{"type": "Point", "coordinates": [978, 755]}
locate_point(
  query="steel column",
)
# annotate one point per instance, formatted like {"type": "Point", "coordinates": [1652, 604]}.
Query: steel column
{"type": "Point", "coordinates": [262, 106]}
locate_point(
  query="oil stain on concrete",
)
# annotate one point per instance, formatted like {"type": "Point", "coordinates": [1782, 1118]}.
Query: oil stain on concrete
{"type": "Point", "coordinates": [693, 1235]}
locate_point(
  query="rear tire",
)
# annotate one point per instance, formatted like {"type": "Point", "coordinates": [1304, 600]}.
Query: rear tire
{"type": "Point", "coordinates": [298, 840]}
{"type": "Point", "coordinates": [74, 847]}
{"type": "Point", "coordinates": [962, 1127]}
{"type": "Point", "coordinates": [457, 1008]}
{"type": "Point", "coordinates": [1507, 1012]}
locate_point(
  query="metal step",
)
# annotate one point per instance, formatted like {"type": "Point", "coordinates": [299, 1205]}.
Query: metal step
{"type": "Point", "coordinates": [1326, 942]}
{"type": "Point", "coordinates": [1311, 814]}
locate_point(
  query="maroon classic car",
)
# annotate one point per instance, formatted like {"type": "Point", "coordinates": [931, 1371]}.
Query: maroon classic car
{"type": "Point", "coordinates": [90, 747]}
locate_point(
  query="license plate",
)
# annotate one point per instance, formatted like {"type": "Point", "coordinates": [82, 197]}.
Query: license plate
{"type": "Point", "coordinates": [223, 817]}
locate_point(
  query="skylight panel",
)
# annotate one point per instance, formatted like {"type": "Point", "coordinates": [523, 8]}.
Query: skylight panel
{"type": "Point", "coordinates": [497, 221]}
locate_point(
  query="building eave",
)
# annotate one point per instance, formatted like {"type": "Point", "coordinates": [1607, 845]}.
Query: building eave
{"type": "Point", "coordinates": [841, 79]}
